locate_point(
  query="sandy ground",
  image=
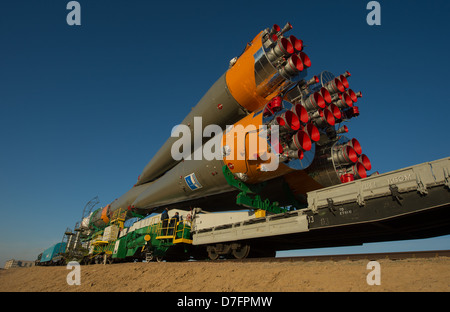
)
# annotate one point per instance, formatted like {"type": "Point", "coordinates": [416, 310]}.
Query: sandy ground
{"type": "Point", "coordinates": [424, 275]}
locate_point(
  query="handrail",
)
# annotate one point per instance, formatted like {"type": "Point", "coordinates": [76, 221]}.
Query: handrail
{"type": "Point", "coordinates": [172, 230]}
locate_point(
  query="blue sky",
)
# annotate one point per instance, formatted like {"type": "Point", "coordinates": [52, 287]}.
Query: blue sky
{"type": "Point", "coordinates": [84, 108]}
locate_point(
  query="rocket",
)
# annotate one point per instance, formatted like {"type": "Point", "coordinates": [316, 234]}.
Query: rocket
{"type": "Point", "coordinates": [262, 123]}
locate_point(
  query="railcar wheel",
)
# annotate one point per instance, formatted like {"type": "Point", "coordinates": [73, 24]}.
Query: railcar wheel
{"type": "Point", "coordinates": [242, 252]}
{"type": "Point", "coordinates": [212, 253]}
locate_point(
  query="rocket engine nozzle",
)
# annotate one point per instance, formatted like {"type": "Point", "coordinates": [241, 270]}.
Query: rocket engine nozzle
{"type": "Point", "coordinates": [325, 119]}
{"type": "Point", "coordinates": [343, 129]}
{"type": "Point", "coordinates": [344, 81]}
{"type": "Point", "coordinates": [274, 30]}
{"type": "Point", "coordinates": [293, 66]}
{"type": "Point", "coordinates": [296, 154]}
{"type": "Point", "coordinates": [354, 143]}
{"type": "Point", "coordinates": [305, 59]}
{"type": "Point", "coordinates": [334, 86]}
{"type": "Point", "coordinates": [365, 161]}
{"type": "Point", "coordinates": [288, 121]}
{"type": "Point", "coordinates": [305, 84]}
{"type": "Point", "coordinates": [313, 80]}
{"type": "Point", "coordinates": [347, 177]}
{"type": "Point", "coordinates": [296, 43]}
{"type": "Point", "coordinates": [344, 100]}
{"type": "Point", "coordinates": [345, 154]}
{"type": "Point", "coordinates": [352, 95]}
{"type": "Point", "coordinates": [301, 141]}
{"type": "Point", "coordinates": [358, 170]}
{"type": "Point", "coordinates": [286, 28]}
{"type": "Point", "coordinates": [335, 111]}
{"type": "Point", "coordinates": [275, 105]}
{"type": "Point", "coordinates": [312, 131]}
{"type": "Point", "coordinates": [346, 74]}
{"type": "Point", "coordinates": [301, 113]}
{"type": "Point", "coordinates": [326, 95]}
{"type": "Point", "coordinates": [313, 102]}
{"type": "Point", "coordinates": [282, 48]}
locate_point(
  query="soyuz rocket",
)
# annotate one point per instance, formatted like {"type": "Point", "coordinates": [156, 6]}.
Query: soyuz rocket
{"type": "Point", "coordinates": [273, 127]}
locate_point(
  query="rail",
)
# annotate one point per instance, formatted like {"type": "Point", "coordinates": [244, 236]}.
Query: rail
{"type": "Point", "coordinates": [354, 257]}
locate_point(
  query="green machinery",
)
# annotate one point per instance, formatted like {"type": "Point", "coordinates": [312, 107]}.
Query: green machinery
{"type": "Point", "coordinates": [169, 239]}
{"type": "Point", "coordinates": [149, 239]}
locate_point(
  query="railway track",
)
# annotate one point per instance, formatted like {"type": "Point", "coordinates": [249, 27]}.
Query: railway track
{"type": "Point", "coordinates": [353, 257]}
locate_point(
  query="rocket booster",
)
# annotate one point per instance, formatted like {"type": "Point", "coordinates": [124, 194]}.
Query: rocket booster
{"type": "Point", "coordinates": [268, 64]}
{"type": "Point", "coordinates": [269, 123]}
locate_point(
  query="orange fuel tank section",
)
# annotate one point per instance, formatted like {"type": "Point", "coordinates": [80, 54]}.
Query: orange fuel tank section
{"type": "Point", "coordinates": [241, 77]}
{"type": "Point", "coordinates": [249, 154]}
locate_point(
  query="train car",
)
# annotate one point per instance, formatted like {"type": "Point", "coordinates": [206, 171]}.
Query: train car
{"type": "Point", "coordinates": [408, 203]}
{"type": "Point", "coordinates": [53, 255]}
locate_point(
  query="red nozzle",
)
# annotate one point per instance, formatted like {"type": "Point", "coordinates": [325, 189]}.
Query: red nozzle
{"type": "Point", "coordinates": [319, 100]}
{"type": "Point", "coordinates": [281, 121]}
{"type": "Point", "coordinates": [360, 170]}
{"type": "Point", "coordinates": [289, 120]}
{"type": "Point", "coordinates": [329, 117]}
{"type": "Point", "coordinates": [301, 113]}
{"type": "Point", "coordinates": [343, 129]}
{"type": "Point", "coordinates": [326, 95]}
{"type": "Point", "coordinates": [305, 59]}
{"type": "Point", "coordinates": [302, 141]}
{"type": "Point", "coordinates": [273, 32]}
{"type": "Point", "coordinates": [292, 120]}
{"type": "Point", "coordinates": [339, 85]}
{"type": "Point", "coordinates": [351, 154]}
{"type": "Point", "coordinates": [300, 154]}
{"type": "Point", "coordinates": [296, 43]}
{"type": "Point", "coordinates": [344, 81]}
{"type": "Point", "coordinates": [356, 146]}
{"type": "Point", "coordinates": [273, 106]}
{"type": "Point", "coordinates": [286, 45]}
{"type": "Point", "coordinates": [313, 132]}
{"type": "Point", "coordinates": [336, 111]}
{"type": "Point", "coordinates": [366, 162]}
{"type": "Point", "coordinates": [347, 99]}
{"type": "Point", "coordinates": [352, 95]}
{"type": "Point", "coordinates": [296, 63]}
{"type": "Point", "coordinates": [348, 177]}
{"type": "Point", "coordinates": [276, 104]}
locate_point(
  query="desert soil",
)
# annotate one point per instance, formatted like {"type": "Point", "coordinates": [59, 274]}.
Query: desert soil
{"type": "Point", "coordinates": [424, 275]}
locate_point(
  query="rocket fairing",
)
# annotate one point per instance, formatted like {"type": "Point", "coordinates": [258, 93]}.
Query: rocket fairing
{"type": "Point", "coordinates": [274, 124]}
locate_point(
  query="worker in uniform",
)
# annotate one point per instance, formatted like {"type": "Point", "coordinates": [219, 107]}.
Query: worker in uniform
{"type": "Point", "coordinates": [164, 219]}
{"type": "Point", "coordinates": [173, 223]}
